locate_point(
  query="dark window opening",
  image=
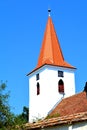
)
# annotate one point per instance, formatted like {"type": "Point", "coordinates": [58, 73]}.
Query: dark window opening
{"type": "Point", "coordinates": [60, 86]}
{"type": "Point", "coordinates": [37, 77]}
{"type": "Point", "coordinates": [60, 74]}
{"type": "Point", "coordinates": [38, 88]}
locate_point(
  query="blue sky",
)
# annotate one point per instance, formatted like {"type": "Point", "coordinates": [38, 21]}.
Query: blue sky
{"type": "Point", "coordinates": [22, 26]}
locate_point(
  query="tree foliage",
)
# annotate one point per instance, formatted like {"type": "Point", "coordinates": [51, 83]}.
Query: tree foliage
{"type": "Point", "coordinates": [22, 118]}
{"type": "Point", "coordinates": [9, 121]}
{"type": "Point", "coordinates": [5, 115]}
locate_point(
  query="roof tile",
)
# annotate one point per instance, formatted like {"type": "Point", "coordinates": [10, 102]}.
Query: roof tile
{"type": "Point", "coordinates": [71, 105]}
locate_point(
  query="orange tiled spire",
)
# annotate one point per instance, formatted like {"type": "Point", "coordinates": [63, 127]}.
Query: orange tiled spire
{"type": "Point", "coordinates": [51, 52]}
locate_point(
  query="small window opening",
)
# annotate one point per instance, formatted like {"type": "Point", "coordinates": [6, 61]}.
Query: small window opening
{"type": "Point", "coordinates": [37, 77]}
{"type": "Point", "coordinates": [61, 86]}
{"type": "Point", "coordinates": [38, 88]}
{"type": "Point", "coordinates": [60, 74]}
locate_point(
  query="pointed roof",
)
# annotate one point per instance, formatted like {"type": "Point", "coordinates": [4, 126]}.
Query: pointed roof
{"type": "Point", "coordinates": [51, 53]}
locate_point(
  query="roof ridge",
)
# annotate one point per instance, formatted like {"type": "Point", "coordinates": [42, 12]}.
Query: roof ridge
{"type": "Point", "coordinates": [74, 95]}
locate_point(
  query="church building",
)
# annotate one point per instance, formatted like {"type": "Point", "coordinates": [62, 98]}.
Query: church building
{"type": "Point", "coordinates": [52, 80]}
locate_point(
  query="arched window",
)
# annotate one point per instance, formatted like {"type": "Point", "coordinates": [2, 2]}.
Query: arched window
{"type": "Point", "coordinates": [38, 88]}
{"type": "Point", "coordinates": [61, 86]}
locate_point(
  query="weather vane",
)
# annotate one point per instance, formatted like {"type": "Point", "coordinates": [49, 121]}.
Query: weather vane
{"type": "Point", "coordinates": [49, 10]}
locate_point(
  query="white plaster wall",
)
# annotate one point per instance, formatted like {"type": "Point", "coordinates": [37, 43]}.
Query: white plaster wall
{"type": "Point", "coordinates": [75, 126]}
{"type": "Point", "coordinates": [69, 83]}
{"type": "Point", "coordinates": [80, 126]}
{"type": "Point", "coordinates": [63, 127]}
{"type": "Point", "coordinates": [40, 105]}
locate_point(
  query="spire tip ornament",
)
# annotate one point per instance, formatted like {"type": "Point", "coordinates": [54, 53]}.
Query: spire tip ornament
{"type": "Point", "coordinates": [49, 11]}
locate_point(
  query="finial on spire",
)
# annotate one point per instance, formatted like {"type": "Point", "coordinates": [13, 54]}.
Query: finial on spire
{"type": "Point", "coordinates": [49, 10]}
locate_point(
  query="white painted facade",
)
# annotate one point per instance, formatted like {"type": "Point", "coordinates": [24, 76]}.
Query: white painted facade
{"type": "Point", "coordinates": [75, 126]}
{"type": "Point", "coordinates": [40, 105]}
{"type": "Point", "coordinates": [80, 126]}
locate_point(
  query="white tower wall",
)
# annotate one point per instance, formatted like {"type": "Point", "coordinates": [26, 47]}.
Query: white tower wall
{"type": "Point", "coordinates": [40, 105]}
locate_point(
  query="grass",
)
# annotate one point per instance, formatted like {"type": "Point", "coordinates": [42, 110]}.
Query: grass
{"type": "Point", "coordinates": [52, 116]}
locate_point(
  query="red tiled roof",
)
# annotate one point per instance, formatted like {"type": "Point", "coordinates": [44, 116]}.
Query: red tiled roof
{"type": "Point", "coordinates": [69, 119]}
{"type": "Point", "coordinates": [72, 109]}
{"type": "Point", "coordinates": [51, 52]}
{"type": "Point", "coordinates": [71, 105]}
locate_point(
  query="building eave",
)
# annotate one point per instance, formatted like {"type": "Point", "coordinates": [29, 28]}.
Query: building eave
{"type": "Point", "coordinates": [49, 65]}
{"type": "Point", "coordinates": [69, 119]}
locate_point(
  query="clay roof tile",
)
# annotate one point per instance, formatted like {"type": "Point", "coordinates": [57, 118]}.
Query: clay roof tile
{"type": "Point", "coordinates": [71, 105]}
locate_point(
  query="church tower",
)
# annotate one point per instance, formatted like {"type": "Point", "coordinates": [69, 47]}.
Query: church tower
{"type": "Point", "coordinates": [53, 78]}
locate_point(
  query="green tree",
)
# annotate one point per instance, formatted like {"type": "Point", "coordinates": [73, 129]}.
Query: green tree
{"type": "Point", "coordinates": [9, 121]}
{"type": "Point", "coordinates": [25, 113]}
{"type": "Point", "coordinates": [22, 118]}
{"type": "Point", "coordinates": [6, 117]}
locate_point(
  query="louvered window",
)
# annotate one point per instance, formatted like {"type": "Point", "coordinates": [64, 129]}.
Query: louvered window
{"type": "Point", "coordinates": [60, 74]}
{"type": "Point", "coordinates": [37, 76]}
